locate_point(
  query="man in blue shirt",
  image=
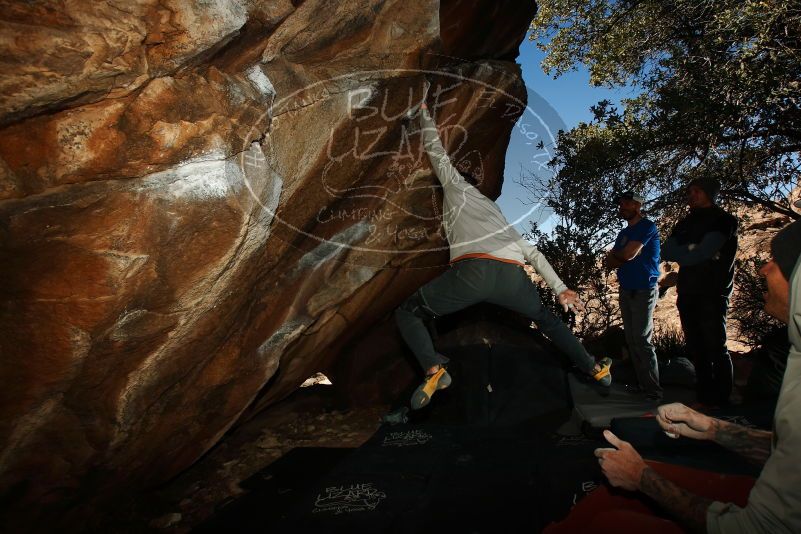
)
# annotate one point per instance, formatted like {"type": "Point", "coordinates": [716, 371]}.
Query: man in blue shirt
{"type": "Point", "coordinates": [636, 257]}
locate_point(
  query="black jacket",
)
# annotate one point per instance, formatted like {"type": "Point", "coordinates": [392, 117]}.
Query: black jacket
{"type": "Point", "coordinates": [714, 276]}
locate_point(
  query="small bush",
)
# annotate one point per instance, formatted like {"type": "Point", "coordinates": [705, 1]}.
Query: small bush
{"type": "Point", "coordinates": [669, 343]}
{"type": "Point", "coordinates": [746, 312]}
{"type": "Point", "coordinates": [570, 253]}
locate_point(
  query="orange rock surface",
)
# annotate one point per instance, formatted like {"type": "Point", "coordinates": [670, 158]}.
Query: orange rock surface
{"type": "Point", "coordinates": [202, 203]}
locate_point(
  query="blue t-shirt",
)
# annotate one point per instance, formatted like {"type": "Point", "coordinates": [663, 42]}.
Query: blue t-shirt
{"type": "Point", "coordinates": [642, 272]}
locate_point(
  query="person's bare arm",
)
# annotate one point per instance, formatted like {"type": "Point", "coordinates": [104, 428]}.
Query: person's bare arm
{"type": "Point", "coordinates": [625, 468]}
{"type": "Point", "coordinates": [688, 508]}
{"type": "Point", "coordinates": [616, 258]}
{"type": "Point", "coordinates": [751, 443]}
{"type": "Point", "coordinates": [679, 420]}
{"type": "Point", "coordinates": [612, 261]}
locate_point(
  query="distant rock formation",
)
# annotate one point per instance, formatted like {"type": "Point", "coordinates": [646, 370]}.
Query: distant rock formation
{"type": "Point", "coordinates": [201, 203]}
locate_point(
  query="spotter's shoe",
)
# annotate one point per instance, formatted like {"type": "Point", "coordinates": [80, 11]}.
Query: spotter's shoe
{"type": "Point", "coordinates": [432, 383]}
{"type": "Point", "coordinates": [604, 376]}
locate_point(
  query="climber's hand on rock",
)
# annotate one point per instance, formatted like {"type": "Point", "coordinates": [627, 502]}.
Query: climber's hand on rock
{"type": "Point", "coordinates": [415, 110]}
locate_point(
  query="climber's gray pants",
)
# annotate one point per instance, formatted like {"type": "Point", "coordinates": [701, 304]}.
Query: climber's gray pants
{"type": "Point", "coordinates": [477, 280]}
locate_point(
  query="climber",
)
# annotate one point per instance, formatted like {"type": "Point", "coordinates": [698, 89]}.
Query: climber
{"type": "Point", "coordinates": [487, 259]}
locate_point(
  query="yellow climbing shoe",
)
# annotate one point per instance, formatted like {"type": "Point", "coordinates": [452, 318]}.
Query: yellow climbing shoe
{"type": "Point", "coordinates": [432, 383]}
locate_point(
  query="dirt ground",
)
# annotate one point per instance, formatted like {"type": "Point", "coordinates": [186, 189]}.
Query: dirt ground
{"type": "Point", "coordinates": [305, 419]}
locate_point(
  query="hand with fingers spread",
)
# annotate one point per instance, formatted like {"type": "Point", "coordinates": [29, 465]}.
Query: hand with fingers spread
{"type": "Point", "coordinates": [622, 465]}
{"type": "Point", "coordinates": [569, 299]}
{"type": "Point", "coordinates": [679, 420]}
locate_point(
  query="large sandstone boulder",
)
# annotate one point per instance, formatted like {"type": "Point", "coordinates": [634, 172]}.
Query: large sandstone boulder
{"type": "Point", "coordinates": [201, 203]}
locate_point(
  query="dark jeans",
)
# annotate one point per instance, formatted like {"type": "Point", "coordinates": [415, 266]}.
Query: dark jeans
{"type": "Point", "coordinates": [703, 319]}
{"type": "Point", "coordinates": [637, 310]}
{"type": "Point", "coordinates": [472, 281]}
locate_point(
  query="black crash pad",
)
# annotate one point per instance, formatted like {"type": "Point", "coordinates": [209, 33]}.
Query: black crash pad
{"type": "Point", "coordinates": [595, 408]}
{"type": "Point", "coordinates": [483, 457]}
{"type": "Point", "coordinates": [417, 478]}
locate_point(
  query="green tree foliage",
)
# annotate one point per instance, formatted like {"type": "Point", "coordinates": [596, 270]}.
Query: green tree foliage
{"type": "Point", "coordinates": [719, 84]}
{"type": "Point", "coordinates": [586, 224]}
{"type": "Point", "coordinates": [715, 88]}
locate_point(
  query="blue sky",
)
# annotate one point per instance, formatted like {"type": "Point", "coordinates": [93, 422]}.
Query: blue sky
{"type": "Point", "coordinates": [553, 104]}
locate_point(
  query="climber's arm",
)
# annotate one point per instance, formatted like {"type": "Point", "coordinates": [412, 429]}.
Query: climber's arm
{"type": "Point", "coordinates": [445, 171]}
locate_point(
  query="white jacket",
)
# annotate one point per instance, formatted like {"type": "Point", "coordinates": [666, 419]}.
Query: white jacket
{"type": "Point", "coordinates": [473, 223]}
{"type": "Point", "coordinates": [774, 504]}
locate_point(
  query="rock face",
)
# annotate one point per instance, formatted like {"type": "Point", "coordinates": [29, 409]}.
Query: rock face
{"type": "Point", "coordinates": [201, 203]}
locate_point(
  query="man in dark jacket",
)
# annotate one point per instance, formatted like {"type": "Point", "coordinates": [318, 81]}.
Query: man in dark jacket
{"type": "Point", "coordinates": [704, 244]}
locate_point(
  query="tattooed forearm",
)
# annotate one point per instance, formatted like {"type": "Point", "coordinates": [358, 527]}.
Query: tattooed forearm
{"type": "Point", "coordinates": [688, 508]}
{"type": "Point", "coordinates": [751, 443]}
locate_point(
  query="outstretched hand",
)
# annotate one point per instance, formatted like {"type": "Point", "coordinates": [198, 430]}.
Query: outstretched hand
{"type": "Point", "coordinates": [413, 111]}
{"type": "Point", "coordinates": [569, 300]}
{"type": "Point", "coordinates": [679, 420]}
{"type": "Point", "coordinates": [622, 465]}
